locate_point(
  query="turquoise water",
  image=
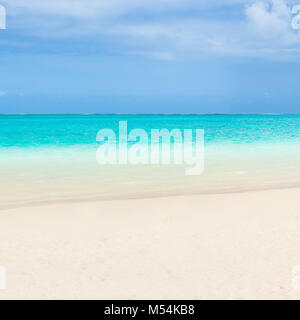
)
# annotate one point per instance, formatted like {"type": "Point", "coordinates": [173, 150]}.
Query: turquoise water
{"type": "Point", "coordinates": [53, 158]}
{"type": "Point", "coordinates": [73, 130]}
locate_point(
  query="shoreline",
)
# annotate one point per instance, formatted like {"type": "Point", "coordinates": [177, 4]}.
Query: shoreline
{"type": "Point", "coordinates": [139, 197]}
{"type": "Point", "coordinates": [226, 246]}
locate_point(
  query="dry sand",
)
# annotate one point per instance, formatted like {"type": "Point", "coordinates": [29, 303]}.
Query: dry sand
{"type": "Point", "coordinates": [230, 246]}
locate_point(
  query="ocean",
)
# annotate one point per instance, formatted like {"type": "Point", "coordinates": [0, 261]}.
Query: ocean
{"type": "Point", "coordinates": [51, 158]}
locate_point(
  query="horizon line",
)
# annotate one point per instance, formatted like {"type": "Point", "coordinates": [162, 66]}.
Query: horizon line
{"type": "Point", "coordinates": [143, 114]}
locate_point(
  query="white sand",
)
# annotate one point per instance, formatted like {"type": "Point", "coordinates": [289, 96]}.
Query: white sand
{"type": "Point", "coordinates": [232, 246]}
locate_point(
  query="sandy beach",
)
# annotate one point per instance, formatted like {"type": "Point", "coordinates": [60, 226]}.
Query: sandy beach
{"type": "Point", "coordinates": [226, 246]}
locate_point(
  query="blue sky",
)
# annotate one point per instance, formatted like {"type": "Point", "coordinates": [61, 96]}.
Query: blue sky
{"type": "Point", "coordinates": [149, 56]}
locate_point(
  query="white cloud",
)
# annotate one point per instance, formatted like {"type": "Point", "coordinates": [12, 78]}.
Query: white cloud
{"type": "Point", "coordinates": [259, 28]}
{"type": "Point", "coordinates": [105, 8]}
{"type": "Point", "coordinates": [269, 21]}
{"type": "Point", "coordinates": [269, 29]}
{"type": "Point", "coordinates": [2, 93]}
{"type": "Point", "coordinates": [264, 30]}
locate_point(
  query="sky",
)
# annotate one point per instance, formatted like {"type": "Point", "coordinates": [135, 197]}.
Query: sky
{"type": "Point", "coordinates": [150, 56]}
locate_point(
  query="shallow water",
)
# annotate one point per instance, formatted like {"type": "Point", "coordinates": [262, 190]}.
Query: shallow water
{"type": "Point", "coordinates": [53, 158]}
